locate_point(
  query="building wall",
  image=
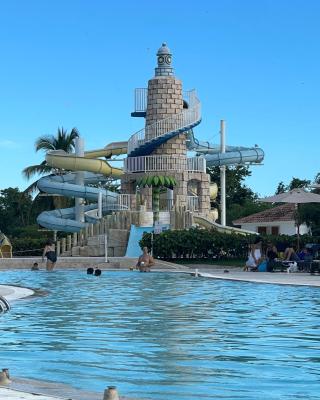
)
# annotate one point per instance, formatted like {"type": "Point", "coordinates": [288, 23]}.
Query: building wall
{"type": "Point", "coordinates": [285, 228]}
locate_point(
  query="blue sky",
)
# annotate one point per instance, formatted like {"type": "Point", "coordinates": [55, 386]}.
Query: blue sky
{"type": "Point", "coordinates": [77, 63]}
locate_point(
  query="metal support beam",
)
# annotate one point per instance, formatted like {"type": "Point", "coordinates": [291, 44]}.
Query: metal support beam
{"type": "Point", "coordinates": [223, 175]}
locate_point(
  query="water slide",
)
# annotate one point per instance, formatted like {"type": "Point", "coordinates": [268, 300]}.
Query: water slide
{"type": "Point", "coordinates": [209, 224]}
{"type": "Point", "coordinates": [136, 233]}
{"type": "Point", "coordinates": [95, 170]}
{"type": "Point", "coordinates": [233, 155]}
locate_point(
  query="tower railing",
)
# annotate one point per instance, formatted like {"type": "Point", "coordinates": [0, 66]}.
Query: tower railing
{"type": "Point", "coordinates": [140, 99]}
{"type": "Point", "coordinates": [174, 123]}
{"type": "Point", "coordinates": [164, 163]}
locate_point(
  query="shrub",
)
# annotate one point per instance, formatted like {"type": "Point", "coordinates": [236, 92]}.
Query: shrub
{"type": "Point", "coordinates": [209, 244]}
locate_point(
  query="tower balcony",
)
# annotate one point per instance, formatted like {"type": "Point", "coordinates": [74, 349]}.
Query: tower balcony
{"type": "Point", "coordinates": [164, 163]}
{"type": "Point", "coordinates": [141, 101]}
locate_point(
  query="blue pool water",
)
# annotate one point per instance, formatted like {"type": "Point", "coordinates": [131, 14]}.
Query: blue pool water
{"type": "Point", "coordinates": [165, 336]}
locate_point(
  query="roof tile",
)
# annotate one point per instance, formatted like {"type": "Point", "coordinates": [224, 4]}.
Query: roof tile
{"type": "Point", "coordinates": [285, 212]}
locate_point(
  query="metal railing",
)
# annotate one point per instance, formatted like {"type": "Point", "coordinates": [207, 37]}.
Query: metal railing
{"type": "Point", "coordinates": [193, 203]}
{"type": "Point", "coordinates": [140, 99]}
{"type": "Point", "coordinates": [166, 204]}
{"type": "Point", "coordinates": [171, 124]}
{"type": "Point", "coordinates": [164, 163]}
{"type": "Point", "coordinates": [123, 201]}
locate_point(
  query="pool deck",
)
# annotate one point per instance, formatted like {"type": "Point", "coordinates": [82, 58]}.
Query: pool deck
{"type": "Point", "coordinates": [276, 278]}
{"type": "Point", "coordinates": [12, 293]}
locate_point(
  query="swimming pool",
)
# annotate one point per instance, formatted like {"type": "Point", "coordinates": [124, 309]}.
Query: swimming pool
{"type": "Point", "coordinates": [165, 336]}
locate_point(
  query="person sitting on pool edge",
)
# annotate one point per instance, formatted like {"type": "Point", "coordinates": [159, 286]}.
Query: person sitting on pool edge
{"type": "Point", "coordinates": [145, 261]}
{"type": "Point", "coordinates": [254, 255]}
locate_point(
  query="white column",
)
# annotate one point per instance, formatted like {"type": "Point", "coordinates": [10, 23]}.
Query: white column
{"type": "Point", "coordinates": [169, 199]}
{"type": "Point", "coordinates": [223, 175]}
{"type": "Point", "coordinates": [100, 205]}
{"type": "Point", "coordinates": [105, 247]}
{"type": "Point", "coordinates": [79, 147]}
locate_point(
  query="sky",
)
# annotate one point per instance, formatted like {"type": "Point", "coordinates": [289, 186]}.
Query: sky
{"type": "Point", "coordinates": [254, 64]}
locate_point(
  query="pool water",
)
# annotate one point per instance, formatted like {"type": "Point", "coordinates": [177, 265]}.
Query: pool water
{"type": "Point", "coordinates": [165, 335]}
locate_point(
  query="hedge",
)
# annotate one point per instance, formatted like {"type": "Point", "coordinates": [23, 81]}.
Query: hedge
{"type": "Point", "coordinates": [203, 243]}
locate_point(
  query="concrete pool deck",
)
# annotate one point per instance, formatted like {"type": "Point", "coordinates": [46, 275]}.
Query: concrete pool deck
{"type": "Point", "coordinates": [276, 278]}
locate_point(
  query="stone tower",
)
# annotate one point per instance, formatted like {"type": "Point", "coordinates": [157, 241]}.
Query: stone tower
{"type": "Point", "coordinates": [160, 149]}
{"type": "Point", "coordinates": [164, 101]}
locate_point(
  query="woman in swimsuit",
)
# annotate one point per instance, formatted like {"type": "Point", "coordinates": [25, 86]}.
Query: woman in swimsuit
{"type": "Point", "coordinates": [50, 253]}
{"type": "Point", "coordinates": [145, 261]}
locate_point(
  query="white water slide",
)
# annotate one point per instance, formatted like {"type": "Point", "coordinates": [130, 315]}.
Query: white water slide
{"type": "Point", "coordinates": [234, 155]}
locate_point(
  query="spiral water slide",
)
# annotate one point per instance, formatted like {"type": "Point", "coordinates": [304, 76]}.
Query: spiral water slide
{"type": "Point", "coordinates": [234, 155]}
{"type": "Point", "coordinates": [95, 170]}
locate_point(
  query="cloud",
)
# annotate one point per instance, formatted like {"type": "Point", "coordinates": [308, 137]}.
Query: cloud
{"type": "Point", "coordinates": [8, 144]}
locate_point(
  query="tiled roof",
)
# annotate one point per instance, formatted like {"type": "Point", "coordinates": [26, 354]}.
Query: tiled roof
{"type": "Point", "coordinates": [285, 212]}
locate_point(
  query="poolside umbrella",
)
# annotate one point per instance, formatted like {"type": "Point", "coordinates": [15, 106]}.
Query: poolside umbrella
{"type": "Point", "coordinates": [295, 196]}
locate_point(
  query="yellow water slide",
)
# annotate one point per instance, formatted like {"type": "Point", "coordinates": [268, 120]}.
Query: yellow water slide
{"type": "Point", "coordinates": [5, 247]}
{"type": "Point", "coordinates": [90, 161]}
{"type": "Point", "coordinates": [209, 224]}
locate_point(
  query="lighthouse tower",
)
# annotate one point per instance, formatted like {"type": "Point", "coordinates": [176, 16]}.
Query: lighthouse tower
{"type": "Point", "coordinates": [160, 147]}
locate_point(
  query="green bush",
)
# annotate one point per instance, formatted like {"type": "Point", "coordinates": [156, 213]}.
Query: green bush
{"type": "Point", "coordinates": [27, 247]}
{"type": "Point", "coordinates": [198, 243]}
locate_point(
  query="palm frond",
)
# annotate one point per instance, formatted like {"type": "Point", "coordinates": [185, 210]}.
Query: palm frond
{"type": "Point", "coordinates": [45, 143]}
{"type": "Point", "coordinates": [39, 169]}
{"type": "Point", "coordinates": [32, 189]}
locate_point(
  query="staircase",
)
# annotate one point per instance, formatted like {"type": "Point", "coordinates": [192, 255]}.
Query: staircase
{"type": "Point", "coordinates": [152, 136]}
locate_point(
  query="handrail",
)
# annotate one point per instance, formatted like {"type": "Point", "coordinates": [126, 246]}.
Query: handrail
{"type": "Point", "coordinates": [141, 98]}
{"type": "Point", "coordinates": [164, 163]}
{"type": "Point", "coordinates": [173, 123]}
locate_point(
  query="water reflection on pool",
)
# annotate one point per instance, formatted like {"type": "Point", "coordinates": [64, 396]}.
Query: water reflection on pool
{"type": "Point", "coordinates": [165, 336]}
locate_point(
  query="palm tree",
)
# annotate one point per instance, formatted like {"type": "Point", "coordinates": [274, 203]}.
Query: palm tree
{"type": "Point", "coordinates": [157, 183]}
{"type": "Point", "coordinates": [62, 141]}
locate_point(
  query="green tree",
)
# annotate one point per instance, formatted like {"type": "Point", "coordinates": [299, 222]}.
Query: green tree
{"type": "Point", "coordinates": [15, 209]}
{"type": "Point", "coordinates": [240, 199]}
{"type": "Point", "coordinates": [295, 183]}
{"type": "Point", "coordinates": [62, 141]}
{"type": "Point", "coordinates": [236, 191]}
{"type": "Point", "coordinates": [281, 188]}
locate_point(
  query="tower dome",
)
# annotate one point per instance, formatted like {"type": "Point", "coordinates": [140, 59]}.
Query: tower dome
{"type": "Point", "coordinates": [164, 58]}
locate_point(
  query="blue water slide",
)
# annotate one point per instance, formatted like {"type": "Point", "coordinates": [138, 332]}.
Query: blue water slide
{"type": "Point", "coordinates": [64, 219]}
{"type": "Point", "coordinates": [233, 155]}
{"type": "Point", "coordinates": [136, 233]}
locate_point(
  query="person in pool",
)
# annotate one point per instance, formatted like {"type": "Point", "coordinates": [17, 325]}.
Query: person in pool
{"type": "Point", "coordinates": [35, 267]}
{"type": "Point", "coordinates": [50, 253]}
{"type": "Point", "coordinates": [145, 261]}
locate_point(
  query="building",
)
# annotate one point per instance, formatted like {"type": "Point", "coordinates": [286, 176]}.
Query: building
{"type": "Point", "coordinates": [278, 220]}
